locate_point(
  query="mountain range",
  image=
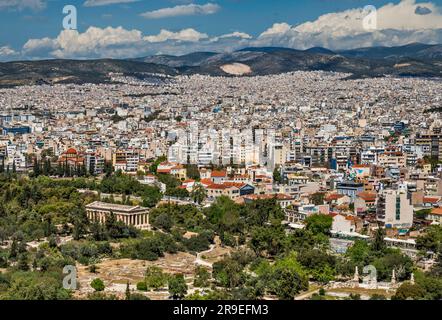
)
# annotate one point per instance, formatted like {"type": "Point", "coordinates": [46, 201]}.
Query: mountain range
{"type": "Point", "coordinates": [413, 60]}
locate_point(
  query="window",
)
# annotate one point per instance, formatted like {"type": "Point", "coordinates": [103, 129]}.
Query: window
{"type": "Point", "coordinates": [398, 207]}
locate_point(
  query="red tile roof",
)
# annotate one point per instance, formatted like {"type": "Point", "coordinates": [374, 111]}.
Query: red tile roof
{"type": "Point", "coordinates": [218, 186]}
{"type": "Point", "coordinates": [71, 151]}
{"type": "Point", "coordinates": [367, 196]}
{"type": "Point", "coordinates": [431, 199]}
{"type": "Point", "coordinates": [218, 174]}
{"type": "Point", "coordinates": [333, 196]}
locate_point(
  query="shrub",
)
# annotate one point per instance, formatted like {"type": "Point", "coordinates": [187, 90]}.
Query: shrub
{"type": "Point", "coordinates": [142, 286]}
{"type": "Point", "coordinates": [97, 284]}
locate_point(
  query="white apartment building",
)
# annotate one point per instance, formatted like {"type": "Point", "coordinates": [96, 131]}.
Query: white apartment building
{"type": "Point", "coordinates": [395, 209]}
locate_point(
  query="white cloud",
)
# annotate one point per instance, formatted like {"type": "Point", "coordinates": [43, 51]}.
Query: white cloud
{"type": "Point", "coordinates": [233, 35]}
{"type": "Point", "coordinates": [401, 16]}
{"type": "Point", "coordinates": [7, 52]}
{"type": "Point", "coordinates": [397, 24]}
{"type": "Point", "coordinates": [182, 10]}
{"type": "Point", "coordinates": [33, 46]}
{"type": "Point", "coordinates": [190, 35]}
{"type": "Point", "coordinates": [94, 42]}
{"type": "Point", "coordinates": [277, 28]}
{"type": "Point", "coordinates": [109, 43]}
{"type": "Point", "coordinates": [22, 4]}
{"type": "Point", "coordinates": [97, 3]}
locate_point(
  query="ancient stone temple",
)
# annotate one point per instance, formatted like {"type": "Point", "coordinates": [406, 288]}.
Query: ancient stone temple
{"type": "Point", "coordinates": [131, 215]}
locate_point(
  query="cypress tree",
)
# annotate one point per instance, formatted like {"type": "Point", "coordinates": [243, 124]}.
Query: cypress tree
{"type": "Point", "coordinates": [127, 291]}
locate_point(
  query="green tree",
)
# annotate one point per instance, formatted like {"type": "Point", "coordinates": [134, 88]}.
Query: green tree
{"type": "Point", "coordinates": [409, 291]}
{"type": "Point", "coordinates": [287, 283]}
{"type": "Point", "coordinates": [286, 277]}
{"type": "Point", "coordinates": [277, 176]}
{"type": "Point", "coordinates": [193, 172]}
{"type": "Point", "coordinates": [202, 277]}
{"type": "Point", "coordinates": [378, 245]}
{"type": "Point", "coordinates": [359, 253]}
{"type": "Point", "coordinates": [198, 194]}
{"type": "Point", "coordinates": [164, 221]}
{"type": "Point", "coordinates": [150, 196]}
{"type": "Point", "coordinates": [23, 263]}
{"type": "Point", "coordinates": [431, 240]}
{"type": "Point", "coordinates": [137, 296]}
{"type": "Point", "coordinates": [320, 264]}
{"type": "Point", "coordinates": [228, 273]}
{"type": "Point", "coordinates": [268, 240]}
{"type": "Point", "coordinates": [319, 223]}
{"type": "Point", "coordinates": [155, 278]}
{"type": "Point", "coordinates": [127, 293]}
{"type": "Point", "coordinates": [97, 284]}
{"type": "Point", "coordinates": [177, 286]}
{"type": "Point", "coordinates": [318, 198]}
{"type": "Point", "coordinates": [142, 286]}
{"type": "Point", "coordinates": [35, 286]}
{"type": "Point", "coordinates": [402, 265]}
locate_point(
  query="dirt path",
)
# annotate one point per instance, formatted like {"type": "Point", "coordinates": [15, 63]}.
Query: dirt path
{"type": "Point", "coordinates": [200, 262]}
{"type": "Point", "coordinates": [307, 295]}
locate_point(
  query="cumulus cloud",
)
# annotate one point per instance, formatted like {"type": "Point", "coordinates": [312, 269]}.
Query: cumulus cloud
{"type": "Point", "coordinates": [7, 52]}
{"type": "Point", "coordinates": [190, 35]}
{"type": "Point", "coordinates": [108, 43]}
{"type": "Point", "coordinates": [182, 10]}
{"type": "Point", "coordinates": [233, 35]}
{"type": "Point", "coordinates": [22, 4]}
{"type": "Point", "coordinates": [276, 29]}
{"type": "Point", "coordinates": [97, 3]}
{"type": "Point", "coordinates": [397, 24]}
{"type": "Point", "coordinates": [93, 43]}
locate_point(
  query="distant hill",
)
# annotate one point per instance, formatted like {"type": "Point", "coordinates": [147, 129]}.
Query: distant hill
{"type": "Point", "coordinates": [320, 50]}
{"type": "Point", "coordinates": [413, 60]}
{"type": "Point", "coordinates": [413, 50]}
{"type": "Point", "coordinates": [264, 61]}
{"type": "Point", "coordinates": [73, 71]}
{"type": "Point", "coordinates": [269, 49]}
{"type": "Point", "coordinates": [192, 59]}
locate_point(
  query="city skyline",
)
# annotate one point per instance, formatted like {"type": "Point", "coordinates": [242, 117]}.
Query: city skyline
{"type": "Point", "coordinates": [128, 28]}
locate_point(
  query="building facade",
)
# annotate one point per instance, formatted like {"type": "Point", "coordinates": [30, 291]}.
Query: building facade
{"type": "Point", "coordinates": [130, 215]}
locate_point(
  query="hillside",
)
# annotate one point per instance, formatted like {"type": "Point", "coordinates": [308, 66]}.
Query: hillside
{"type": "Point", "coordinates": [414, 60]}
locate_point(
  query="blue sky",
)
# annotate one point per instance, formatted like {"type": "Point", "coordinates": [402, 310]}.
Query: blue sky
{"type": "Point", "coordinates": [22, 20]}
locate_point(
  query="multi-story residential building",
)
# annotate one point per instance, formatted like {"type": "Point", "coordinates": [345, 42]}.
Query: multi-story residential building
{"type": "Point", "coordinates": [394, 209]}
{"type": "Point", "coordinates": [350, 188]}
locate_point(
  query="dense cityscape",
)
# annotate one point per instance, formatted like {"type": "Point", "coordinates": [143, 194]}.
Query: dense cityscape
{"type": "Point", "coordinates": [284, 186]}
{"type": "Point", "coordinates": [220, 159]}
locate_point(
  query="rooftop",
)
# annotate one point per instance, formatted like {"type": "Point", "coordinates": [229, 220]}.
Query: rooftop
{"type": "Point", "coordinates": [98, 205]}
